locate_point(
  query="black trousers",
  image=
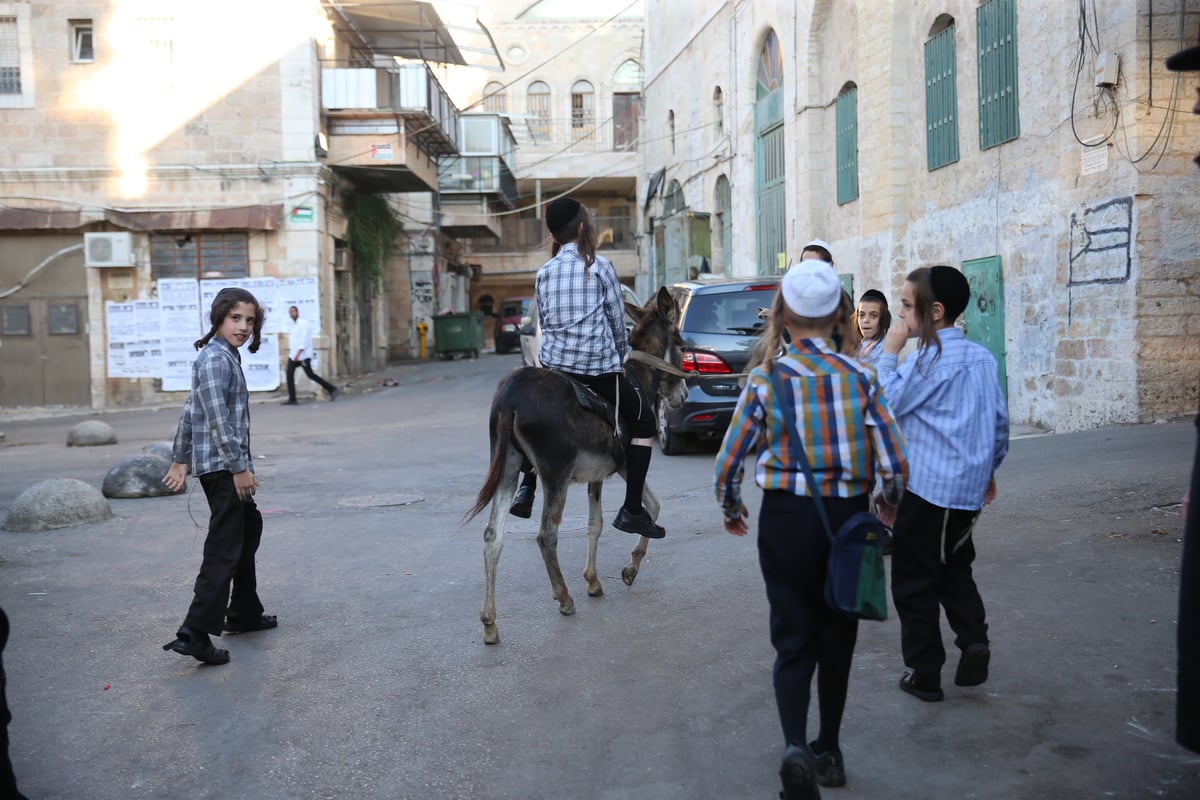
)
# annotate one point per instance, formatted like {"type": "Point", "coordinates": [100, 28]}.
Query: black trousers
{"type": "Point", "coordinates": [793, 552]}
{"type": "Point", "coordinates": [8, 782]}
{"type": "Point", "coordinates": [633, 407]}
{"type": "Point", "coordinates": [234, 532]}
{"type": "Point", "coordinates": [1187, 699]}
{"type": "Point", "coordinates": [306, 364]}
{"type": "Point", "coordinates": [932, 553]}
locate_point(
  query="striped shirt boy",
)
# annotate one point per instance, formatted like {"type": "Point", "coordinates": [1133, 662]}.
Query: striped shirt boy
{"type": "Point", "coordinates": [581, 313]}
{"type": "Point", "coordinates": [214, 429]}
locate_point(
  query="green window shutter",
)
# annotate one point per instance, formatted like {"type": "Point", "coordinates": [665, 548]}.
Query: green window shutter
{"type": "Point", "coordinates": [846, 114]}
{"type": "Point", "coordinates": [941, 100]}
{"type": "Point", "coordinates": [999, 117]}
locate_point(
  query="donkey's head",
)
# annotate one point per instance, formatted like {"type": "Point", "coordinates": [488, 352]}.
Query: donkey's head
{"type": "Point", "coordinates": [658, 348]}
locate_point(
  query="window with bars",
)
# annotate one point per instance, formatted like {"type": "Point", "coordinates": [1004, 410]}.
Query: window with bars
{"type": "Point", "coordinates": [494, 98]}
{"type": "Point", "coordinates": [999, 109]}
{"type": "Point", "coordinates": [14, 321]}
{"type": "Point", "coordinates": [200, 255]}
{"type": "Point", "coordinates": [64, 319]}
{"type": "Point", "coordinates": [583, 108]}
{"type": "Point", "coordinates": [537, 106]}
{"type": "Point", "coordinates": [846, 114]}
{"type": "Point", "coordinates": [82, 50]}
{"type": "Point", "coordinates": [941, 100]}
{"type": "Point", "coordinates": [10, 57]}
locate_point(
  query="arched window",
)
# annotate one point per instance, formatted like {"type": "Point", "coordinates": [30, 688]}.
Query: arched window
{"type": "Point", "coordinates": [673, 200]}
{"type": "Point", "coordinates": [846, 116]}
{"type": "Point", "coordinates": [626, 104]}
{"type": "Point", "coordinates": [537, 107]}
{"type": "Point", "coordinates": [770, 174]}
{"type": "Point", "coordinates": [494, 98]}
{"type": "Point", "coordinates": [941, 94]}
{"type": "Point", "coordinates": [718, 112]}
{"type": "Point", "coordinates": [723, 201]}
{"type": "Point", "coordinates": [583, 106]}
{"type": "Point", "coordinates": [671, 129]}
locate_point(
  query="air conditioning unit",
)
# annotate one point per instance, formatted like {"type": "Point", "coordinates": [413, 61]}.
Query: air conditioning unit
{"type": "Point", "coordinates": [108, 249]}
{"type": "Point", "coordinates": [343, 259]}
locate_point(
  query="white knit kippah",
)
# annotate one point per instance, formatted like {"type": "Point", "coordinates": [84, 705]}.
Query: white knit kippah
{"type": "Point", "coordinates": [811, 288]}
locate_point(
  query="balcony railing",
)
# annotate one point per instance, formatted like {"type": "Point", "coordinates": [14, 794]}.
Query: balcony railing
{"type": "Point", "coordinates": [486, 175]}
{"type": "Point", "coordinates": [519, 234]}
{"type": "Point", "coordinates": [407, 90]}
{"type": "Point", "coordinates": [540, 135]}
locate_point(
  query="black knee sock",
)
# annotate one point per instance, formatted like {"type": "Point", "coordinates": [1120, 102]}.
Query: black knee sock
{"type": "Point", "coordinates": [529, 479]}
{"type": "Point", "coordinates": [637, 464]}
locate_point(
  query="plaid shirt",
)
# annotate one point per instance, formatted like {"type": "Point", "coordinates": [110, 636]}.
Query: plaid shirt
{"type": "Point", "coordinates": [214, 429]}
{"type": "Point", "coordinates": [841, 413]}
{"type": "Point", "coordinates": [582, 314]}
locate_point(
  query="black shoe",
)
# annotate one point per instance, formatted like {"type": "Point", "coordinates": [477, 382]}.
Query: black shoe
{"type": "Point", "coordinates": [798, 775]}
{"type": "Point", "coordinates": [197, 645]}
{"type": "Point", "coordinates": [828, 766]}
{"type": "Point", "coordinates": [973, 665]}
{"type": "Point", "coordinates": [333, 393]}
{"type": "Point", "coordinates": [289, 403]}
{"type": "Point", "coordinates": [908, 683]}
{"type": "Point", "coordinates": [639, 523]}
{"type": "Point", "coordinates": [262, 622]}
{"type": "Point", "coordinates": [522, 504]}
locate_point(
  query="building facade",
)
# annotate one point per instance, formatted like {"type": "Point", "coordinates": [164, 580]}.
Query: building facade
{"type": "Point", "coordinates": [1041, 147]}
{"type": "Point", "coordinates": [155, 150]}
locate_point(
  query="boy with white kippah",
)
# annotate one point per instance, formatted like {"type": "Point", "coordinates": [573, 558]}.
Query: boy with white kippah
{"type": "Point", "coordinates": [849, 436]}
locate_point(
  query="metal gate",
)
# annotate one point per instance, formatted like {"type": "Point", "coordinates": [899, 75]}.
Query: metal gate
{"type": "Point", "coordinates": [984, 316]}
{"type": "Point", "coordinates": [770, 177]}
{"type": "Point", "coordinates": [44, 352]}
{"type": "Point", "coordinates": [366, 326]}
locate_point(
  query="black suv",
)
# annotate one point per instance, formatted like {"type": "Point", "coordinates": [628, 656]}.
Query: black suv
{"type": "Point", "coordinates": [720, 325]}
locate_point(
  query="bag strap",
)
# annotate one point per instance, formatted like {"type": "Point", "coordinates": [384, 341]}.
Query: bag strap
{"type": "Point", "coordinates": [797, 447]}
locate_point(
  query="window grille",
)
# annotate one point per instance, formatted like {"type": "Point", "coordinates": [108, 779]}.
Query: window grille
{"type": "Point", "coordinates": [583, 114]}
{"type": "Point", "coordinates": [10, 57]}
{"type": "Point", "coordinates": [846, 113]}
{"type": "Point", "coordinates": [200, 255]}
{"type": "Point", "coordinates": [538, 108]}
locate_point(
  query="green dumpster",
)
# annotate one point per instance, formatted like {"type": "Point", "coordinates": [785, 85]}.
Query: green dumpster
{"type": "Point", "coordinates": [458, 334]}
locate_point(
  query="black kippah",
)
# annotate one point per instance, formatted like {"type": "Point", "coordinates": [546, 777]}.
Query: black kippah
{"type": "Point", "coordinates": [560, 213]}
{"type": "Point", "coordinates": [873, 296]}
{"type": "Point", "coordinates": [950, 288]}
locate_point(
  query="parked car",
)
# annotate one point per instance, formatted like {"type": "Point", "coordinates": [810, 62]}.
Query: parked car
{"type": "Point", "coordinates": [720, 325]}
{"type": "Point", "coordinates": [531, 331]}
{"type": "Point", "coordinates": [507, 332]}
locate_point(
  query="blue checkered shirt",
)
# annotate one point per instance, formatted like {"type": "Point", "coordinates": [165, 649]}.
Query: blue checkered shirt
{"type": "Point", "coordinates": [214, 429]}
{"type": "Point", "coordinates": [581, 313]}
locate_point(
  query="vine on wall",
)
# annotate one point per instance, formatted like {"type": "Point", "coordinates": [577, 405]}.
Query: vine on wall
{"type": "Point", "coordinates": [371, 232]}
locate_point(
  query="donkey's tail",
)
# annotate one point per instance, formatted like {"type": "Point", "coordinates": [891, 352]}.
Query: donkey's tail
{"type": "Point", "coordinates": [500, 444]}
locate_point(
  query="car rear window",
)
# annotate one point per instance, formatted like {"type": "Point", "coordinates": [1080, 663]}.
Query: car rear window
{"type": "Point", "coordinates": [514, 308]}
{"type": "Point", "coordinates": [728, 312]}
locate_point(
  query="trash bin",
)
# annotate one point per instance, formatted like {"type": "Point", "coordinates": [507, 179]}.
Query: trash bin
{"type": "Point", "coordinates": [458, 334]}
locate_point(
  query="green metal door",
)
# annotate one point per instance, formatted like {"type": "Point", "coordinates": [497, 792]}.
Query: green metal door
{"type": "Point", "coordinates": [984, 316]}
{"type": "Point", "coordinates": [770, 176]}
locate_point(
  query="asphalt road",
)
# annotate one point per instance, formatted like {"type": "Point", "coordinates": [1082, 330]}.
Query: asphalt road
{"type": "Point", "coordinates": [377, 683]}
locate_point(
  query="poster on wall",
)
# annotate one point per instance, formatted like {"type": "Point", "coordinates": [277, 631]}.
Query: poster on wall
{"type": "Point", "coordinates": [144, 354]}
{"type": "Point", "coordinates": [263, 290]}
{"type": "Point", "coordinates": [122, 329]}
{"type": "Point", "coordinates": [179, 320]}
{"type": "Point", "coordinates": [262, 368]}
{"type": "Point", "coordinates": [301, 293]}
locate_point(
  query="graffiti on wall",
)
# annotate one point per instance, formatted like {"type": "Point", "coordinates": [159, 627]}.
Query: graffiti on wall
{"type": "Point", "coordinates": [1102, 242]}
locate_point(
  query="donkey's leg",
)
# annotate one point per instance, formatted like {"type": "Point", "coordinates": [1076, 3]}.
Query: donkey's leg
{"type": "Point", "coordinates": [630, 572]}
{"type": "Point", "coordinates": [493, 543]}
{"type": "Point", "coordinates": [595, 526]}
{"type": "Point", "coordinates": [552, 507]}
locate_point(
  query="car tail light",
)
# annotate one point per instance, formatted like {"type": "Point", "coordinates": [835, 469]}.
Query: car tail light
{"type": "Point", "coordinates": [704, 363]}
{"type": "Point", "coordinates": [759, 287]}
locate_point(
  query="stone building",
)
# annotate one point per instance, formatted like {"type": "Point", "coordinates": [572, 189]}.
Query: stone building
{"type": "Point", "coordinates": [153, 149]}
{"type": "Point", "coordinates": [571, 95]}
{"type": "Point", "coordinates": [1041, 147]}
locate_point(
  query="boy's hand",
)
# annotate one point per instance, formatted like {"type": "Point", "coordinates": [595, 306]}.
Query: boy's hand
{"type": "Point", "coordinates": [737, 525]}
{"type": "Point", "coordinates": [990, 494]}
{"type": "Point", "coordinates": [245, 483]}
{"type": "Point", "coordinates": [897, 335]}
{"type": "Point", "coordinates": [176, 476]}
{"type": "Point", "coordinates": [885, 512]}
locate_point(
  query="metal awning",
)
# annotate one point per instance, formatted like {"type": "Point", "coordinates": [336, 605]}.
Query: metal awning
{"type": "Point", "coordinates": [442, 32]}
{"type": "Point", "coordinates": [242, 218]}
{"type": "Point", "coordinates": [38, 219]}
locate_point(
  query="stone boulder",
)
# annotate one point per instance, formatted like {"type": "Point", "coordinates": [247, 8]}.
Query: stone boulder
{"type": "Point", "coordinates": [91, 433]}
{"type": "Point", "coordinates": [57, 503]}
{"type": "Point", "coordinates": [138, 476]}
{"type": "Point", "coordinates": [160, 449]}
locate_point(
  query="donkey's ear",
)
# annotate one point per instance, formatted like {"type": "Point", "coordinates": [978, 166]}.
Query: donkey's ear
{"type": "Point", "coordinates": [667, 309]}
{"type": "Point", "coordinates": [636, 313]}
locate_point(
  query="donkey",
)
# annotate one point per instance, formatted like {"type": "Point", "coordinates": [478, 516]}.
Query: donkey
{"type": "Point", "coordinates": [536, 415]}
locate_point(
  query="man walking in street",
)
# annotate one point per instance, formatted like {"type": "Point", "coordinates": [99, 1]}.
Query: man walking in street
{"type": "Point", "coordinates": [1187, 702]}
{"type": "Point", "coordinates": [300, 354]}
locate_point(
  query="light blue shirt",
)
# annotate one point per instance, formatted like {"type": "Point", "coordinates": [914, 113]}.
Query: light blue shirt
{"type": "Point", "coordinates": [953, 416]}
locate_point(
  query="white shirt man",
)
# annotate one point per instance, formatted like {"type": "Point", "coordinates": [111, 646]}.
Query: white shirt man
{"type": "Point", "coordinates": [300, 354]}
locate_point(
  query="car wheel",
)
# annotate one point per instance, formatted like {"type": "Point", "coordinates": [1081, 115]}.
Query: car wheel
{"type": "Point", "coordinates": [672, 444]}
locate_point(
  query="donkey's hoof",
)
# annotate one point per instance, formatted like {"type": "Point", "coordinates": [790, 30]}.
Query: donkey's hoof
{"type": "Point", "coordinates": [596, 591]}
{"type": "Point", "coordinates": [629, 575]}
{"type": "Point", "coordinates": [491, 634]}
{"type": "Point", "coordinates": [567, 607]}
